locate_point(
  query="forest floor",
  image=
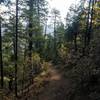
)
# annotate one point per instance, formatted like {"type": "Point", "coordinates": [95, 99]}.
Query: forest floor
{"type": "Point", "coordinates": [49, 85]}
{"type": "Point", "coordinates": [54, 85]}
{"type": "Point", "coordinates": [57, 87]}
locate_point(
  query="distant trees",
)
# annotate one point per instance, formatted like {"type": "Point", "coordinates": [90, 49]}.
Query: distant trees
{"type": "Point", "coordinates": [5, 2]}
{"type": "Point", "coordinates": [1, 61]}
{"type": "Point", "coordinates": [56, 16]}
{"type": "Point", "coordinates": [75, 23]}
{"type": "Point", "coordinates": [89, 22]}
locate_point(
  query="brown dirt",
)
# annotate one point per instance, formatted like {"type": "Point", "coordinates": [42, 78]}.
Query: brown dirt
{"type": "Point", "coordinates": [58, 86]}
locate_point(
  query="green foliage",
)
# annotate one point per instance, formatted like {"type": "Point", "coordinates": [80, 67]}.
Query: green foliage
{"type": "Point", "coordinates": [36, 58]}
{"type": "Point", "coordinates": [63, 52]}
{"type": "Point", "coordinates": [45, 66]}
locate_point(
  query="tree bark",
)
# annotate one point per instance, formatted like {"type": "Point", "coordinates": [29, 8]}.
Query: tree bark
{"type": "Point", "coordinates": [87, 25]}
{"type": "Point", "coordinates": [30, 37]}
{"type": "Point", "coordinates": [1, 62]}
{"type": "Point", "coordinates": [75, 41]}
{"type": "Point", "coordinates": [16, 48]}
{"type": "Point", "coordinates": [91, 23]}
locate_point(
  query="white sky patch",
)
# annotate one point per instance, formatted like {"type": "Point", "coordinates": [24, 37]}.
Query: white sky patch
{"type": "Point", "coordinates": [2, 9]}
{"type": "Point", "coordinates": [62, 5]}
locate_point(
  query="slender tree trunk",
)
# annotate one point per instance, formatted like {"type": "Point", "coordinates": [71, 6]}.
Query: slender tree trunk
{"type": "Point", "coordinates": [1, 62]}
{"type": "Point", "coordinates": [16, 48]}
{"type": "Point", "coordinates": [30, 37]}
{"type": "Point", "coordinates": [87, 28]}
{"type": "Point", "coordinates": [75, 41]}
{"type": "Point", "coordinates": [45, 34]}
{"type": "Point", "coordinates": [91, 23]}
{"type": "Point", "coordinates": [87, 24]}
{"type": "Point", "coordinates": [23, 71]}
{"type": "Point", "coordinates": [55, 38]}
{"type": "Point", "coordinates": [37, 44]}
{"type": "Point", "coordinates": [45, 29]}
{"type": "Point", "coordinates": [38, 9]}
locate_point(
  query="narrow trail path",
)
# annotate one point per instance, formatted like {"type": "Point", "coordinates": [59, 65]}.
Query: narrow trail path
{"type": "Point", "coordinates": [58, 86]}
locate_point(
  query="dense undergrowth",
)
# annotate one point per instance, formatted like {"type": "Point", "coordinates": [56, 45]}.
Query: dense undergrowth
{"type": "Point", "coordinates": [84, 72]}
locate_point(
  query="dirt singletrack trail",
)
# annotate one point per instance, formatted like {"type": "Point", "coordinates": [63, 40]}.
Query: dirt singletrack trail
{"type": "Point", "coordinates": [58, 86]}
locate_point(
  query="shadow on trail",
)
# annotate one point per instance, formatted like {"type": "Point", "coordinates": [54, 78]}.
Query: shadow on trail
{"type": "Point", "coordinates": [58, 87]}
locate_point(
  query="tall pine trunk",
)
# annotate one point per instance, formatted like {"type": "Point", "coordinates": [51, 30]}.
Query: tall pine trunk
{"type": "Point", "coordinates": [87, 24]}
{"type": "Point", "coordinates": [75, 41]}
{"type": "Point", "coordinates": [1, 62]}
{"type": "Point", "coordinates": [16, 48]}
{"type": "Point", "coordinates": [87, 28]}
{"type": "Point", "coordinates": [55, 40]}
{"type": "Point", "coordinates": [91, 23]}
{"type": "Point", "coordinates": [30, 37]}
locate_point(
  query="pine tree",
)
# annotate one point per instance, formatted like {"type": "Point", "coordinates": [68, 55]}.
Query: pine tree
{"type": "Point", "coordinates": [16, 48]}
{"type": "Point", "coordinates": [1, 62]}
{"type": "Point", "coordinates": [56, 16]}
{"type": "Point", "coordinates": [30, 36]}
